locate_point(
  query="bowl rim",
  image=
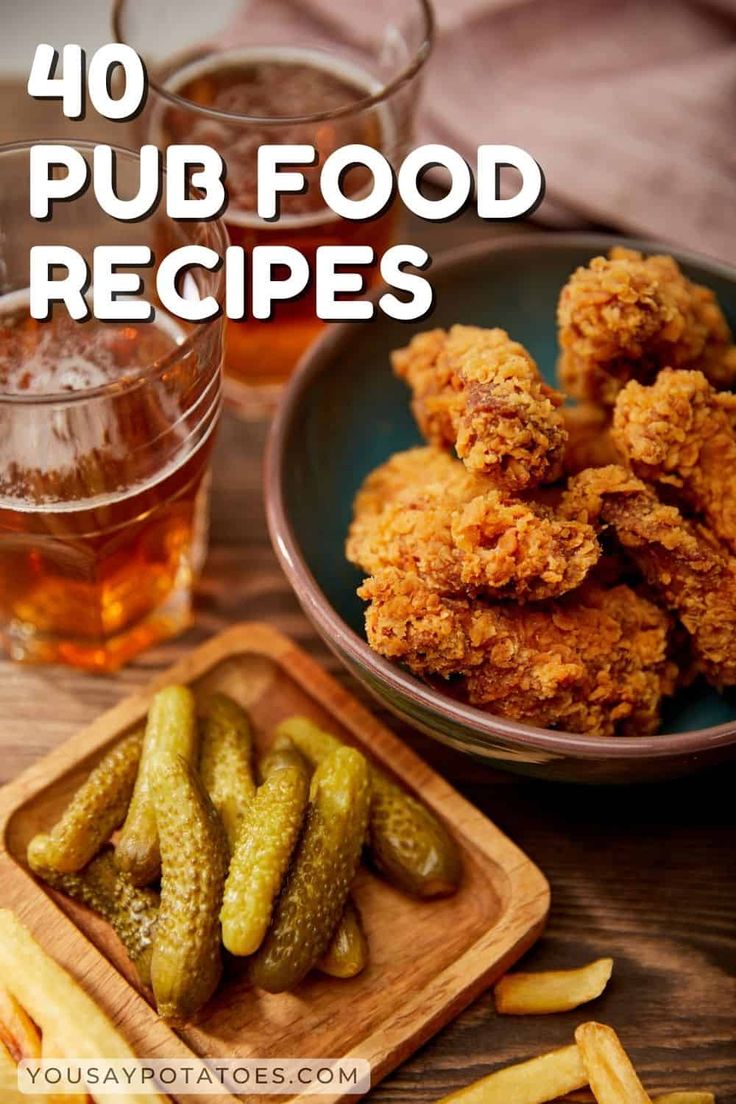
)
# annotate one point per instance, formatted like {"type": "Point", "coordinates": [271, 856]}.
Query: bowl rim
{"type": "Point", "coordinates": [345, 642]}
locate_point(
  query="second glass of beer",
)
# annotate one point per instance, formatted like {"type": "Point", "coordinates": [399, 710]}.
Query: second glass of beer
{"type": "Point", "coordinates": [237, 74]}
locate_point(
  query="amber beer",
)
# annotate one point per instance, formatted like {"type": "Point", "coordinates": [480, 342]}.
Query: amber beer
{"type": "Point", "coordinates": [271, 85]}
{"type": "Point", "coordinates": [105, 434]}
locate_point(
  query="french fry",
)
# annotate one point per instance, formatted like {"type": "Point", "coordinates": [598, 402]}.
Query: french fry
{"type": "Point", "coordinates": [552, 990]}
{"type": "Point", "coordinates": [9, 1091]}
{"type": "Point", "coordinates": [51, 1049]}
{"type": "Point", "coordinates": [685, 1098]}
{"type": "Point", "coordinates": [26, 1043]}
{"type": "Point", "coordinates": [17, 1031]}
{"type": "Point", "coordinates": [60, 1007]}
{"type": "Point", "coordinates": [585, 1096]}
{"type": "Point", "coordinates": [612, 1077]}
{"type": "Point", "coordinates": [533, 1082]}
{"type": "Point", "coordinates": [9, 1077]}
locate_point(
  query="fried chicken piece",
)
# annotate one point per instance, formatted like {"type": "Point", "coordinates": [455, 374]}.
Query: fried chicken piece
{"type": "Point", "coordinates": [680, 433]}
{"type": "Point", "coordinates": [424, 512]}
{"type": "Point", "coordinates": [481, 393]}
{"type": "Point", "coordinates": [418, 467]}
{"type": "Point", "coordinates": [593, 662]}
{"type": "Point", "coordinates": [683, 564]}
{"type": "Point", "coordinates": [628, 316]}
{"type": "Point", "coordinates": [589, 441]}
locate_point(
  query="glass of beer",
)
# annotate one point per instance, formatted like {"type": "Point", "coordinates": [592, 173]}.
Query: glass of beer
{"type": "Point", "coordinates": [237, 74]}
{"type": "Point", "coordinates": [106, 431]}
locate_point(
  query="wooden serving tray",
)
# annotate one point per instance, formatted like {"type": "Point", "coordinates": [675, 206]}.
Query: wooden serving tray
{"type": "Point", "coordinates": [427, 959]}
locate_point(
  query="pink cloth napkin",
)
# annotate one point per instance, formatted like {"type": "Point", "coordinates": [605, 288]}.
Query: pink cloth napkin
{"type": "Point", "coordinates": [629, 106]}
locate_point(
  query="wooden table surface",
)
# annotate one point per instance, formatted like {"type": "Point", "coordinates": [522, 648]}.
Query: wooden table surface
{"type": "Point", "coordinates": [645, 874]}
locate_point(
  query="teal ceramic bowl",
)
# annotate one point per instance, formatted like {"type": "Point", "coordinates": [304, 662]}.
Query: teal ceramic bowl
{"type": "Point", "coordinates": [344, 413]}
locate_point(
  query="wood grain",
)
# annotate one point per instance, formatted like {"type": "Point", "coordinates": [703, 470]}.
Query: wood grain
{"type": "Point", "coordinates": [428, 959]}
{"type": "Point", "coordinates": [647, 874]}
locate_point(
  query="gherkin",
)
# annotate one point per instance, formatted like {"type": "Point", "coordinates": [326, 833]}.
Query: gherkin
{"type": "Point", "coordinates": [225, 762]}
{"type": "Point", "coordinates": [406, 842]}
{"type": "Point", "coordinates": [268, 835]}
{"type": "Point", "coordinates": [409, 845]}
{"type": "Point", "coordinates": [171, 729]}
{"type": "Point", "coordinates": [186, 963]}
{"type": "Point", "coordinates": [282, 753]}
{"type": "Point", "coordinates": [347, 953]}
{"type": "Point", "coordinates": [321, 873]}
{"type": "Point", "coordinates": [311, 740]}
{"type": "Point", "coordinates": [96, 810]}
{"type": "Point", "coordinates": [131, 912]}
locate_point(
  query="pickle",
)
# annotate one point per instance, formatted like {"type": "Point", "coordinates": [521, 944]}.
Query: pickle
{"type": "Point", "coordinates": [407, 844]}
{"type": "Point", "coordinates": [171, 728]}
{"type": "Point", "coordinates": [96, 810]}
{"type": "Point", "coordinates": [322, 870]}
{"type": "Point", "coordinates": [131, 912]}
{"type": "Point", "coordinates": [186, 963]}
{"type": "Point", "coordinates": [265, 844]}
{"type": "Point", "coordinates": [312, 741]}
{"type": "Point", "coordinates": [347, 953]}
{"type": "Point", "coordinates": [225, 761]}
{"type": "Point", "coordinates": [282, 753]}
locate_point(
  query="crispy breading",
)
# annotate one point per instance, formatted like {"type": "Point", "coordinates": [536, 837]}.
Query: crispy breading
{"type": "Point", "coordinates": [628, 316]}
{"type": "Point", "coordinates": [428, 372]}
{"type": "Point", "coordinates": [577, 605]}
{"type": "Point", "coordinates": [680, 432]}
{"type": "Point", "coordinates": [589, 440]}
{"type": "Point", "coordinates": [592, 662]}
{"type": "Point", "coordinates": [461, 536]}
{"type": "Point", "coordinates": [682, 562]}
{"type": "Point", "coordinates": [418, 467]}
{"type": "Point", "coordinates": [481, 393]}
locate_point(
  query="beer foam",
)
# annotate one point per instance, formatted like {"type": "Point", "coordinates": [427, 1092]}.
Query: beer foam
{"type": "Point", "coordinates": [42, 439]}
{"type": "Point", "coordinates": [316, 59]}
{"type": "Point", "coordinates": [23, 505]}
{"type": "Point", "coordinates": [51, 368]}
